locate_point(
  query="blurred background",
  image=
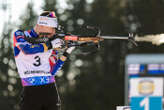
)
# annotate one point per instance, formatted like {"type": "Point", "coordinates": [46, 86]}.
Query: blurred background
{"type": "Point", "coordinates": [86, 82]}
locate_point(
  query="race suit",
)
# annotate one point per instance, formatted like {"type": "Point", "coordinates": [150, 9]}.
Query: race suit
{"type": "Point", "coordinates": [36, 63]}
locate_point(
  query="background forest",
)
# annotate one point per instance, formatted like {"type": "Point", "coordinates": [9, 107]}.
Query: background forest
{"type": "Point", "coordinates": [94, 81]}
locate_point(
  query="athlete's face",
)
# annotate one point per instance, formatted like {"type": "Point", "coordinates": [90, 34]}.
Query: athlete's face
{"type": "Point", "coordinates": [45, 31]}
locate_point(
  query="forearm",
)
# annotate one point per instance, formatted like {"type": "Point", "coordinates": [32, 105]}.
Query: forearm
{"type": "Point", "coordinates": [58, 65]}
{"type": "Point", "coordinates": [32, 49]}
{"type": "Point", "coordinates": [26, 47]}
{"type": "Point", "coordinates": [61, 60]}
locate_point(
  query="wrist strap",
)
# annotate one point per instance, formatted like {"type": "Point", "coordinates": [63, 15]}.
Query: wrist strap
{"type": "Point", "coordinates": [66, 54]}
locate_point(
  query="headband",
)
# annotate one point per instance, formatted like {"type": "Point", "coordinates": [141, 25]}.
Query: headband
{"type": "Point", "coordinates": [47, 21]}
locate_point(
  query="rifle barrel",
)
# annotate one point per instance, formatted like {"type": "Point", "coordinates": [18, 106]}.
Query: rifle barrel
{"type": "Point", "coordinates": [115, 37]}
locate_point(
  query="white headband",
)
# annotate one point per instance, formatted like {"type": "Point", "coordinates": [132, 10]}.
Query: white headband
{"type": "Point", "coordinates": [47, 21]}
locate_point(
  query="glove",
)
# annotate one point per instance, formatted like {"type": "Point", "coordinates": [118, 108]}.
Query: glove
{"type": "Point", "coordinates": [57, 43]}
{"type": "Point", "coordinates": [68, 51]}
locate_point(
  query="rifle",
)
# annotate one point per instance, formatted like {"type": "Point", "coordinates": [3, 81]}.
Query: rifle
{"type": "Point", "coordinates": [78, 40]}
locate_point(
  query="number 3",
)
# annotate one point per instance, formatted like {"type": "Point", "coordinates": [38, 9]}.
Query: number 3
{"type": "Point", "coordinates": [37, 61]}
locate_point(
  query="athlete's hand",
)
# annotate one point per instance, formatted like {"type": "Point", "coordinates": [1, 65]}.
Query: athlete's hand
{"type": "Point", "coordinates": [57, 43]}
{"type": "Point", "coordinates": [70, 49]}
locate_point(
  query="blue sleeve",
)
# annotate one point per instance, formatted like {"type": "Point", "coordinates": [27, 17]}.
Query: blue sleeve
{"type": "Point", "coordinates": [57, 67]}
{"type": "Point", "coordinates": [31, 49]}
{"type": "Point", "coordinates": [27, 47]}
